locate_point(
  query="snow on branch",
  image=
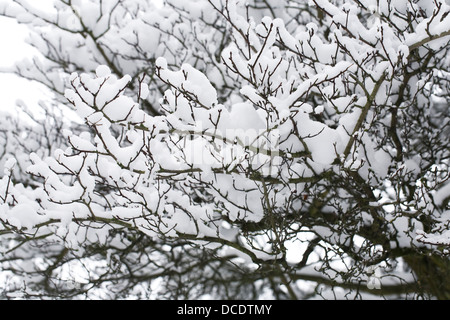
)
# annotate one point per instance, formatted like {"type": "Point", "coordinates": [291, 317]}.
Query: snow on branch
{"type": "Point", "coordinates": [280, 141]}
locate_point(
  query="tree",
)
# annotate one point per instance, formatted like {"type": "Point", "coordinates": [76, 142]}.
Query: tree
{"type": "Point", "coordinates": [231, 149]}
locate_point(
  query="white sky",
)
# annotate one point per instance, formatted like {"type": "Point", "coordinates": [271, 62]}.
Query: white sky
{"type": "Point", "coordinates": [14, 48]}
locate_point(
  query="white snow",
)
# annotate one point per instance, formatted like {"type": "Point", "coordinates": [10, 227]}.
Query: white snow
{"type": "Point", "coordinates": [102, 71]}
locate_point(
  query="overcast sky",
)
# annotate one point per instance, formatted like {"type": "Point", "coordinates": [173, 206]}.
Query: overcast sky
{"type": "Point", "coordinates": [14, 48]}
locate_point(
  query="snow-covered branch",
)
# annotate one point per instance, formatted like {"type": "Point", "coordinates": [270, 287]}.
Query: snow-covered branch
{"type": "Point", "coordinates": [287, 147]}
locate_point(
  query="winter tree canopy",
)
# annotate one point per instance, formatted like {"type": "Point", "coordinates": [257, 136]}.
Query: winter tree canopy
{"type": "Point", "coordinates": [278, 149]}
